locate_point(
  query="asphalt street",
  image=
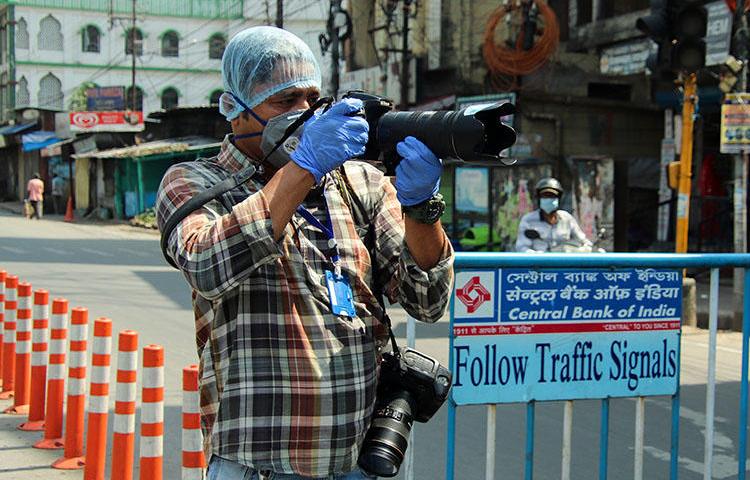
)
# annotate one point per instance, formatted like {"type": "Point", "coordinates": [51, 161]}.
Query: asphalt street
{"type": "Point", "coordinates": [117, 271]}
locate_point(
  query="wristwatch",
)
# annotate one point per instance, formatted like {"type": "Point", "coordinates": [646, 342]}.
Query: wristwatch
{"type": "Point", "coordinates": [427, 212]}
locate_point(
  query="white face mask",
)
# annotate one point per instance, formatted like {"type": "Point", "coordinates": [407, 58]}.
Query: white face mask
{"type": "Point", "coordinates": [549, 205]}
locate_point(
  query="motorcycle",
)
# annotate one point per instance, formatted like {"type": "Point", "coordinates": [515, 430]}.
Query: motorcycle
{"type": "Point", "coordinates": [570, 247]}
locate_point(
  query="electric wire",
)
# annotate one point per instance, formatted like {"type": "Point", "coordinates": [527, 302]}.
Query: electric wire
{"type": "Point", "coordinates": [513, 60]}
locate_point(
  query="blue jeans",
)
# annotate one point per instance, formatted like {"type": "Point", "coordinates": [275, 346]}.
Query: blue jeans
{"type": "Point", "coordinates": [222, 469]}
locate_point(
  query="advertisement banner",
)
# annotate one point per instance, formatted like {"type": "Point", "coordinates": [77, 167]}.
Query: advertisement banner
{"type": "Point", "coordinates": [86, 122]}
{"type": "Point", "coordinates": [735, 123]}
{"type": "Point", "coordinates": [105, 99]}
{"type": "Point", "coordinates": [521, 335]}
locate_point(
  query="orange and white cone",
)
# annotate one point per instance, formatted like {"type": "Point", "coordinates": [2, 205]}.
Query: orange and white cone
{"type": "Point", "coordinates": [53, 413]}
{"type": "Point", "coordinates": [9, 337]}
{"type": "Point", "coordinates": [96, 433]}
{"type": "Point", "coordinates": [152, 413]}
{"type": "Point", "coordinates": [22, 390]}
{"type": "Point", "coordinates": [3, 274]}
{"type": "Point", "coordinates": [39, 339]}
{"type": "Point", "coordinates": [193, 459]}
{"type": "Point", "coordinates": [73, 455]}
{"type": "Point", "coordinates": [123, 439]}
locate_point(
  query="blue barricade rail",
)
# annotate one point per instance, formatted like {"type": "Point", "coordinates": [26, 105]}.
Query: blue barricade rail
{"type": "Point", "coordinates": [468, 261]}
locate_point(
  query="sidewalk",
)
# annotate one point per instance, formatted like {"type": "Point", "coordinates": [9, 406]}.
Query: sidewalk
{"type": "Point", "coordinates": [726, 306]}
{"type": "Point", "coordinates": [16, 208]}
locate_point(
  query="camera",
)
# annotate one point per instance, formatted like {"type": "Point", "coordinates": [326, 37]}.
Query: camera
{"type": "Point", "coordinates": [412, 386]}
{"type": "Point", "coordinates": [472, 134]}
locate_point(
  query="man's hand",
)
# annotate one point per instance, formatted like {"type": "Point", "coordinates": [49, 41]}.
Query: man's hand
{"type": "Point", "coordinates": [418, 174]}
{"type": "Point", "coordinates": [332, 138]}
{"type": "Point", "coordinates": [417, 180]}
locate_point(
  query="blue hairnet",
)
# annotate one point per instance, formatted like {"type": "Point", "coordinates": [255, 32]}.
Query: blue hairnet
{"type": "Point", "coordinates": [260, 62]}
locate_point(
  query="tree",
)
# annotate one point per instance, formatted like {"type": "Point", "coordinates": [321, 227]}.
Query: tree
{"type": "Point", "coordinates": [77, 101]}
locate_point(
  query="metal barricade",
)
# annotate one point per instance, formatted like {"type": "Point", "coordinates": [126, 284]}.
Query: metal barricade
{"type": "Point", "coordinates": [489, 261]}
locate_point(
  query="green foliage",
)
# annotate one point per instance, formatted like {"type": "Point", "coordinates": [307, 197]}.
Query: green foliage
{"type": "Point", "coordinates": [77, 101]}
{"type": "Point", "coordinates": [146, 219]}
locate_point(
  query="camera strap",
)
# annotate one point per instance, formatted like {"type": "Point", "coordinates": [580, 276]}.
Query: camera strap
{"type": "Point", "coordinates": [197, 202]}
{"type": "Point", "coordinates": [358, 209]}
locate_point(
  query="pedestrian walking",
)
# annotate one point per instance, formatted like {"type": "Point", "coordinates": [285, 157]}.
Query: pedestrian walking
{"type": "Point", "coordinates": [286, 292]}
{"type": "Point", "coordinates": [35, 189]}
{"type": "Point", "coordinates": [58, 192]}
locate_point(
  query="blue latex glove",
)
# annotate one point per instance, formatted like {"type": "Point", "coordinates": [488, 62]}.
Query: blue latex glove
{"type": "Point", "coordinates": [418, 174]}
{"type": "Point", "coordinates": [332, 138]}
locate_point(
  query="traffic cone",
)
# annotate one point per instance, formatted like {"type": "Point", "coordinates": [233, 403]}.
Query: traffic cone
{"type": "Point", "coordinates": [69, 210]}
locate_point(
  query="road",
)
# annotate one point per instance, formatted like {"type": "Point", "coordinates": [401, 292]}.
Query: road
{"type": "Point", "coordinates": [117, 271]}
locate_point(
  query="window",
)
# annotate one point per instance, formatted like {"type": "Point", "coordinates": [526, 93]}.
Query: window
{"type": "Point", "coordinates": [22, 94]}
{"type": "Point", "coordinates": [170, 44]}
{"type": "Point", "coordinates": [129, 34]}
{"type": "Point", "coordinates": [50, 93]}
{"type": "Point", "coordinates": [214, 98]}
{"type": "Point", "coordinates": [50, 35]}
{"type": "Point", "coordinates": [134, 103]}
{"type": "Point", "coordinates": [216, 45]}
{"type": "Point", "coordinates": [22, 34]}
{"type": "Point", "coordinates": [90, 39]}
{"type": "Point", "coordinates": [169, 98]}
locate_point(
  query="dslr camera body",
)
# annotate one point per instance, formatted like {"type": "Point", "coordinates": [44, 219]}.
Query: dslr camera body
{"type": "Point", "coordinates": [412, 386]}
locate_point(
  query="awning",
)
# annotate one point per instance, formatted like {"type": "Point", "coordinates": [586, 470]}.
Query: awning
{"type": "Point", "coordinates": [151, 150]}
{"type": "Point", "coordinates": [13, 129]}
{"type": "Point", "coordinates": [39, 139]}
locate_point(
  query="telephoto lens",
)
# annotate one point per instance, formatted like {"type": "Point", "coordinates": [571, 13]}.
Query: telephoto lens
{"type": "Point", "coordinates": [385, 443]}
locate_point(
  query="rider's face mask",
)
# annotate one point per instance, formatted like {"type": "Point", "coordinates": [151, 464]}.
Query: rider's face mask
{"type": "Point", "coordinates": [273, 132]}
{"type": "Point", "coordinates": [549, 204]}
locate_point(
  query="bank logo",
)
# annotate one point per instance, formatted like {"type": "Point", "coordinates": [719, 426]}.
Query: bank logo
{"type": "Point", "coordinates": [474, 296]}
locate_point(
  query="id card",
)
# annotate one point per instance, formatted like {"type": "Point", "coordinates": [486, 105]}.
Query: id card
{"type": "Point", "coordinates": [340, 293]}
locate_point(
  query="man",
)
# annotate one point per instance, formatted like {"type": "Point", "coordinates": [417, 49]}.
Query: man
{"type": "Point", "coordinates": [288, 378]}
{"type": "Point", "coordinates": [548, 227]}
{"type": "Point", "coordinates": [35, 189]}
{"type": "Point", "coordinates": [58, 190]}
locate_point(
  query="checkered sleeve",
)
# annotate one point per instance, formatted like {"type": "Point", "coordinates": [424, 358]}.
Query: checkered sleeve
{"type": "Point", "coordinates": [424, 294]}
{"type": "Point", "coordinates": [213, 248]}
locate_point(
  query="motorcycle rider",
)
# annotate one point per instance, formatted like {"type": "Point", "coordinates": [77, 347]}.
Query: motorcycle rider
{"type": "Point", "coordinates": [548, 227]}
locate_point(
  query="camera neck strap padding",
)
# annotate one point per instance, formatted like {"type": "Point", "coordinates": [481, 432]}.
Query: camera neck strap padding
{"type": "Point", "coordinates": [197, 202]}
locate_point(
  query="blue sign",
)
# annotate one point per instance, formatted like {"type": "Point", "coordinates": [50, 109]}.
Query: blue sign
{"type": "Point", "coordinates": [105, 99]}
{"type": "Point", "coordinates": [521, 335]}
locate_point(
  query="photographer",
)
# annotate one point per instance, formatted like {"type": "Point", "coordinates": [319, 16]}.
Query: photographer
{"type": "Point", "coordinates": [285, 282]}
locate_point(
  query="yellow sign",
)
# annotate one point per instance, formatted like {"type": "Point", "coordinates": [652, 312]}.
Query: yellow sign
{"type": "Point", "coordinates": [735, 123]}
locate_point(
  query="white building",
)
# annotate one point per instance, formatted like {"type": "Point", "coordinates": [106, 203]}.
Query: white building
{"type": "Point", "coordinates": [50, 50]}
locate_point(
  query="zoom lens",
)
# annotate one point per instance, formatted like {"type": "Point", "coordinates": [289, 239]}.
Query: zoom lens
{"type": "Point", "coordinates": [386, 441]}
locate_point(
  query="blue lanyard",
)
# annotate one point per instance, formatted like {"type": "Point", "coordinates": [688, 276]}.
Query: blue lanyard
{"type": "Point", "coordinates": [333, 249]}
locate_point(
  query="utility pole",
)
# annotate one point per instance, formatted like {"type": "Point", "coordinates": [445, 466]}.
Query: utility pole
{"type": "Point", "coordinates": [740, 169]}
{"type": "Point", "coordinates": [405, 56]}
{"type": "Point", "coordinates": [280, 13]}
{"type": "Point", "coordinates": [689, 101]}
{"type": "Point", "coordinates": [132, 66]}
{"type": "Point", "coordinates": [333, 35]}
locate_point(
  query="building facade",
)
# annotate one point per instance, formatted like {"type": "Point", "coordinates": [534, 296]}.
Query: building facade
{"type": "Point", "coordinates": [52, 50]}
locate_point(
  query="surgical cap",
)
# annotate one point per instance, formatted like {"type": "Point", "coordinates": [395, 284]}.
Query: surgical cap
{"type": "Point", "coordinates": [260, 62]}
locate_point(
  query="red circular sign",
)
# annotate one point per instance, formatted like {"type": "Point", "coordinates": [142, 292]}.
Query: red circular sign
{"type": "Point", "coordinates": [85, 119]}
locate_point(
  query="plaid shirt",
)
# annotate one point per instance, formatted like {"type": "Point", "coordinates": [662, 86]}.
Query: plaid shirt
{"type": "Point", "coordinates": [285, 384]}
